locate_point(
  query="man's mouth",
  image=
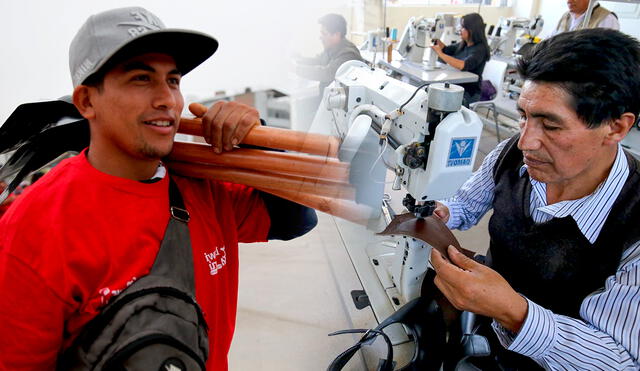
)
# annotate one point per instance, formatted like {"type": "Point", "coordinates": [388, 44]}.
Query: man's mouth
{"type": "Point", "coordinates": [532, 161]}
{"type": "Point", "coordinates": [159, 123]}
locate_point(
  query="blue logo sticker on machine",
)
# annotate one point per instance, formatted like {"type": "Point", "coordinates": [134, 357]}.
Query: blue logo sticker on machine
{"type": "Point", "coordinates": [461, 151]}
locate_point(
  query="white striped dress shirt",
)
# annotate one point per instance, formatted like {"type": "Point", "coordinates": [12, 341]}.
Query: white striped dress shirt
{"type": "Point", "coordinates": [607, 336]}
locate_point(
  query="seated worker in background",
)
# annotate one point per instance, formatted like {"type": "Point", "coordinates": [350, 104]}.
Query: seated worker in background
{"type": "Point", "coordinates": [337, 50]}
{"type": "Point", "coordinates": [471, 54]}
{"type": "Point", "coordinates": [563, 289]}
{"type": "Point", "coordinates": [574, 18]}
{"type": "Point", "coordinates": [94, 225]}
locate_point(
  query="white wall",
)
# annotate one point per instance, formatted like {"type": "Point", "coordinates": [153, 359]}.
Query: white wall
{"type": "Point", "coordinates": [628, 15]}
{"type": "Point", "coordinates": [551, 11]}
{"type": "Point", "coordinates": [524, 8]}
{"type": "Point", "coordinates": [256, 41]}
{"type": "Point", "coordinates": [256, 38]}
{"type": "Point", "coordinates": [397, 17]}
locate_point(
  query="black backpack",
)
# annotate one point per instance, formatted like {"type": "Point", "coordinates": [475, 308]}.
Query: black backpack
{"type": "Point", "coordinates": [154, 324]}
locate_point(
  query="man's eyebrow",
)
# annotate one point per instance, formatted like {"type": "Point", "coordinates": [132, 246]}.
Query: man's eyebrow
{"type": "Point", "coordinates": [138, 65]}
{"type": "Point", "coordinates": [541, 114]}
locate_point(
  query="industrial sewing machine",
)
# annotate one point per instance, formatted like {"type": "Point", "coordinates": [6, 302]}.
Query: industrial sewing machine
{"type": "Point", "coordinates": [426, 140]}
{"type": "Point", "coordinates": [514, 35]}
{"type": "Point", "coordinates": [451, 32]}
{"type": "Point", "coordinates": [376, 41]}
{"type": "Point", "coordinates": [419, 33]}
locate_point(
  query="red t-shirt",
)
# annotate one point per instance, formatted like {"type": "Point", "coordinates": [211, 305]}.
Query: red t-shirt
{"type": "Point", "coordinates": [79, 236]}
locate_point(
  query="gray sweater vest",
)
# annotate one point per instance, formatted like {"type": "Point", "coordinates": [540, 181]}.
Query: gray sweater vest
{"type": "Point", "coordinates": [552, 263]}
{"type": "Point", "coordinates": [597, 15]}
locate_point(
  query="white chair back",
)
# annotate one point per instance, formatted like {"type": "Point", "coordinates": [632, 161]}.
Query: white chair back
{"type": "Point", "coordinates": [495, 71]}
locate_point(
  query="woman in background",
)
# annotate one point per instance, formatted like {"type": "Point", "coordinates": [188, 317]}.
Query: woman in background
{"type": "Point", "coordinates": [469, 55]}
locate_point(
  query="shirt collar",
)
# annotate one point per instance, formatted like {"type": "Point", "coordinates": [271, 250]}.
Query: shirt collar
{"type": "Point", "coordinates": [583, 210]}
{"type": "Point", "coordinates": [161, 171]}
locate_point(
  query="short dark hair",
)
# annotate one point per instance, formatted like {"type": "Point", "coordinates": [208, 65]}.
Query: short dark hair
{"type": "Point", "coordinates": [334, 23]}
{"type": "Point", "coordinates": [599, 69]}
{"type": "Point", "coordinates": [95, 80]}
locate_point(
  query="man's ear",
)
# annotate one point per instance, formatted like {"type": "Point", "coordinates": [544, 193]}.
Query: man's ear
{"type": "Point", "coordinates": [82, 99]}
{"type": "Point", "coordinates": [620, 127]}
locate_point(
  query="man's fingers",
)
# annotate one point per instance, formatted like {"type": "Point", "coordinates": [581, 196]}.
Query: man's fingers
{"type": "Point", "coordinates": [229, 123]}
{"type": "Point", "coordinates": [448, 268]}
{"type": "Point", "coordinates": [461, 260]}
{"type": "Point", "coordinates": [438, 261]}
{"type": "Point", "coordinates": [208, 121]}
{"type": "Point", "coordinates": [441, 212]}
{"type": "Point", "coordinates": [197, 109]}
{"type": "Point", "coordinates": [234, 123]}
{"type": "Point", "coordinates": [249, 121]}
{"type": "Point", "coordinates": [438, 214]}
{"type": "Point", "coordinates": [219, 122]}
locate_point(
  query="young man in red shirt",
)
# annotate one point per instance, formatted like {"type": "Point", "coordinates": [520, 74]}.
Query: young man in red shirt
{"type": "Point", "coordinates": [93, 225]}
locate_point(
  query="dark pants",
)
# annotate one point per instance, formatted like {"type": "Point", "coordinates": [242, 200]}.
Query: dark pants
{"type": "Point", "coordinates": [467, 99]}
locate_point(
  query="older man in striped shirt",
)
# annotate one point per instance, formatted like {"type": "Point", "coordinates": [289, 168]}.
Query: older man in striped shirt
{"type": "Point", "coordinates": [563, 289]}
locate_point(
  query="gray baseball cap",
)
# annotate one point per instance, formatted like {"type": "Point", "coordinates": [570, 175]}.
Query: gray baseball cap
{"type": "Point", "coordinates": [110, 37]}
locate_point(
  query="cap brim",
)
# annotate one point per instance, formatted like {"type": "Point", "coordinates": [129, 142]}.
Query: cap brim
{"type": "Point", "coordinates": [188, 48]}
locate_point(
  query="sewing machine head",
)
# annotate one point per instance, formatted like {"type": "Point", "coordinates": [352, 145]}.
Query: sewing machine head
{"type": "Point", "coordinates": [425, 135]}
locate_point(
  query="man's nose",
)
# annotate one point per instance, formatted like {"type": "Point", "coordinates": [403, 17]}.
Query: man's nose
{"type": "Point", "coordinates": [164, 96]}
{"type": "Point", "coordinates": [529, 137]}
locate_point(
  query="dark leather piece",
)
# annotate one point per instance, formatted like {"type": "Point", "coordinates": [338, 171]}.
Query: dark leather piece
{"type": "Point", "coordinates": [430, 230]}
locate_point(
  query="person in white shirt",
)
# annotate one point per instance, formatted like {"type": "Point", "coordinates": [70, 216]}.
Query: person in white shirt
{"type": "Point", "coordinates": [574, 18]}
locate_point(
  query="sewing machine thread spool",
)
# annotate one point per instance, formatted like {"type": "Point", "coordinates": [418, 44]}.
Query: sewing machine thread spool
{"type": "Point", "coordinates": [445, 97]}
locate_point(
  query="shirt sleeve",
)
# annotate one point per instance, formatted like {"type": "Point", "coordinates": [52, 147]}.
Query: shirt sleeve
{"type": "Point", "coordinates": [31, 318]}
{"type": "Point", "coordinates": [325, 72]}
{"type": "Point", "coordinates": [318, 59]}
{"type": "Point", "coordinates": [607, 337]}
{"type": "Point", "coordinates": [450, 49]}
{"type": "Point", "coordinates": [475, 197]}
{"type": "Point", "coordinates": [288, 219]}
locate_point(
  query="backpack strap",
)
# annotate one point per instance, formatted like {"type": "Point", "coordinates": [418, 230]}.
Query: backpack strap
{"type": "Point", "coordinates": [176, 203]}
{"type": "Point", "coordinates": [176, 245]}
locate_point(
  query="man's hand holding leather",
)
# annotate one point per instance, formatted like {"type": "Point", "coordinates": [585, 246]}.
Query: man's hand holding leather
{"type": "Point", "coordinates": [476, 288]}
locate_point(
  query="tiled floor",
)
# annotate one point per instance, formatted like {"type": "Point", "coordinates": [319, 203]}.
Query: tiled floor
{"type": "Point", "coordinates": [292, 294]}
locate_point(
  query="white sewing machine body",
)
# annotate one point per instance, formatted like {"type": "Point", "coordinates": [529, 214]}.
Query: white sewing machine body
{"type": "Point", "coordinates": [419, 33]}
{"type": "Point", "coordinates": [511, 34]}
{"type": "Point", "coordinates": [430, 145]}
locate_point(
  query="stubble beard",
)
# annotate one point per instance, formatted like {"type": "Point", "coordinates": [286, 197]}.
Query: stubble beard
{"type": "Point", "coordinates": [146, 150]}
